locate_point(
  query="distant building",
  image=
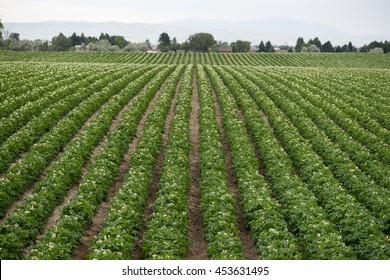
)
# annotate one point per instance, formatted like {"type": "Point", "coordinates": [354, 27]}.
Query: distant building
{"type": "Point", "coordinates": [154, 51]}
{"type": "Point", "coordinates": [225, 49]}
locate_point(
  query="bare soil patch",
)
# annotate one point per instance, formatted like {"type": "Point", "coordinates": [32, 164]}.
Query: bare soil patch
{"type": "Point", "coordinates": [137, 254]}
{"type": "Point", "coordinates": [197, 248]}
{"type": "Point", "coordinates": [249, 247]}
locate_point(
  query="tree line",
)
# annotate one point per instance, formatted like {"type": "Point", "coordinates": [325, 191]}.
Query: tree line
{"type": "Point", "coordinates": [199, 42]}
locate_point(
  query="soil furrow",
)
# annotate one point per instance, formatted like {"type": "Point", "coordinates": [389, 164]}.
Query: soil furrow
{"type": "Point", "coordinates": [101, 213]}
{"type": "Point", "coordinates": [249, 247]}
{"type": "Point", "coordinates": [197, 249]}
{"type": "Point", "coordinates": [156, 177]}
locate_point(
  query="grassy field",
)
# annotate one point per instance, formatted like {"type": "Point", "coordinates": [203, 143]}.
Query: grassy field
{"type": "Point", "coordinates": [194, 156]}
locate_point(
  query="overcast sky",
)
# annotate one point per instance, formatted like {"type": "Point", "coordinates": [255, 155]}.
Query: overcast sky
{"type": "Point", "coordinates": [357, 17]}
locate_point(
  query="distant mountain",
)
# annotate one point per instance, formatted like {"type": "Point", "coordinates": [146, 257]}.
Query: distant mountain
{"type": "Point", "coordinates": [277, 30]}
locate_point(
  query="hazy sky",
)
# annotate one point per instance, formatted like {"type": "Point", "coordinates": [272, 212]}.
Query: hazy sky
{"type": "Point", "coordinates": [354, 16]}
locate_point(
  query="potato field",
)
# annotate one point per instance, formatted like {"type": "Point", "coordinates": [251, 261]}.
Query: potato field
{"type": "Point", "coordinates": [194, 156]}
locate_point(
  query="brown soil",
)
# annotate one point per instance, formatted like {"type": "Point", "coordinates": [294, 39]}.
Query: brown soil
{"type": "Point", "coordinates": [137, 254]}
{"type": "Point", "coordinates": [245, 235]}
{"type": "Point", "coordinates": [265, 118]}
{"type": "Point", "coordinates": [98, 221]}
{"type": "Point", "coordinates": [197, 248]}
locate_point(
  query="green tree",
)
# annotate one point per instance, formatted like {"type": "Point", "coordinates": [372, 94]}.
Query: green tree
{"type": "Point", "coordinates": [82, 38]}
{"type": "Point", "coordinates": [104, 36]}
{"type": "Point", "coordinates": [164, 42]}
{"type": "Point", "coordinates": [261, 47]}
{"type": "Point", "coordinates": [148, 44]}
{"type": "Point", "coordinates": [14, 36]}
{"type": "Point", "coordinates": [345, 48]}
{"type": "Point", "coordinates": [351, 47]}
{"type": "Point", "coordinates": [300, 44]}
{"type": "Point", "coordinates": [315, 41]}
{"type": "Point", "coordinates": [119, 41]}
{"type": "Point", "coordinates": [175, 46]}
{"type": "Point", "coordinates": [327, 47]}
{"type": "Point", "coordinates": [201, 42]}
{"type": "Point", "coordinates": [76, 40]}
{"type": "Point", "coordinates": [241, 46]}
{"type": "Point", "coordinates": [269, 47]}
{"type": "Point", "coordinates": [90, 39]}
{"type": "Point", "coordinates": [1, 27]}
{"type": "Point", "coordinates": [61, 43]}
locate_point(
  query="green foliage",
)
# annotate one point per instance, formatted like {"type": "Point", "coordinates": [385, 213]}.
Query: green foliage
{"type": "Point", "coordinates": [308, 139]}
{"type": "Point", "coordinates": [268, 47]}
{"type": "Point", "coordinates": [166, 236]}
{"type": "Point", "coordinates": [299, 45]}
{"type": "Point", "coordinates": [60, 43]}
{"type": "Point", "coordinates": [201, 42]}
{"type": "Point", "coordinates": [164, 42]}
{"type": "Point", "coordinates": [327, 47]}
{"type": "Point", "coordinates": [116, 239]}
{"type": "Point", "coordinates": [241, 46]}
{"type": "Point", "coordinates": [1, 27]}
{"type": "Point", "coordinates": [262, 47]}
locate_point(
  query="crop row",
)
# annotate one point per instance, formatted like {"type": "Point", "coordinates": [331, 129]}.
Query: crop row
{"type": "Point", "coordinates": [26, 222]}
{"type": "Point", "coordinates": [350, 96]}
{"type": "Point", "coordinates": [217, 200]}
{"type": "Point", "coordinates": [60, 240]}
{"type": "Point", "coordinates": [354, 221]}
{"type": "Point", "coordinates": [366, 138]}
{"type": "Point", "coordinates": [166, 236]}
{"type": "Point", "coordinates": [117, 238]}
{"type": "Point", "coordinates": [48, 117]}
{"type": "Point", "coordinates": [16, 80]}
{"type": "Point", "coordinates": [319, 238]}
{"type": "Point", "coordinates": [35, 89]}
{"type": "Point", "coordinates": [350, 60]}
{"type": "Point", "coordinates": [263, 214]}
{"type": "Point", "coordinates": [24, 172]}
{"type": "Point", "coordinates": [343, 168]}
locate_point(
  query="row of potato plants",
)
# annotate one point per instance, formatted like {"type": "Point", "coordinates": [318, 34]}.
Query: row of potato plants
{"type": "Point", "coordinates": [361, 155]}
{"type": "Point", "coordinates": [369, 88]}
{"type": "Point", "coordinates": [351, 60]}
{"type": "Point", "coordinates": [352, 127]}
{"type": "Point", "coordinates": [22, 226]}
{"type": "Point", "coordinates": [218, 203]}
{"type": "Point", "coordinates": [349, 97]}
{"type": "Point", "coordinates": [48, 117]}
{"type": "Point", "coordinates": [366, 191]}
{"type": "Point", "coordinates": [166, 235]}
{"type": "Point", "coordinates": [17, 81]}
{"type": "Point", "coordinates": [77, 214]}
{"type": "Point", "coordinates": [317, 235]}
{"type": "Point", "coordinates": [33, 89]}
{"type": "Point", "coordinates": [263, 214]}
{"type": "Point", "coordinates": [21, 109]}
{"type": "Point", "coordinates": [11, 75]}
{"type": "Point", "coordinates": [116, 240]}
{"type": "Point", "coordinates": [26, 170]}
{"type": "Point", "coordinates": [343, 167]}
{"type": "Point", "coordinates": [322, 95]}
{"type": "Point", "coordinates": [354, 221]}
{"type": "Point", "coordinates": [294, 60]}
